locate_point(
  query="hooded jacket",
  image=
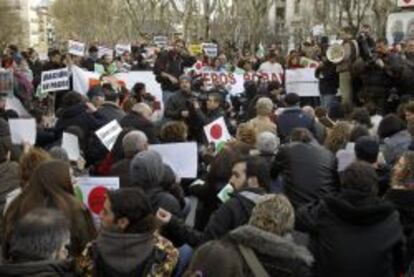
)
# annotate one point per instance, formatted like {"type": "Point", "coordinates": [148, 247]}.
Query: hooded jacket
{"type": "Point", "coordinates": [353, 234]}
{"type": "Point", "coordinates": [280, 256]}
{"type": "Point", "coordinates": [230, 215]}
{"type": "Point", "coordinates": [118, 254]}
{"type": "Point", "coordinates": [147, 172]}
{"type": "Point", "coordinates": [38, 269]}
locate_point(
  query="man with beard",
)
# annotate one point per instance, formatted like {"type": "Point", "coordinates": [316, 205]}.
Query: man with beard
{"type": "Point", "coordinates": [169, 66]}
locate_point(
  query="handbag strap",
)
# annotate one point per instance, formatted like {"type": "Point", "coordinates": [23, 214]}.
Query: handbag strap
{"type": "Point", "coordinates": [251, 259]}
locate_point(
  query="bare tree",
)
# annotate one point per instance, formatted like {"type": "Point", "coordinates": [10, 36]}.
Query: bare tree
{"type": "Point", "coordinates": [11, 25]}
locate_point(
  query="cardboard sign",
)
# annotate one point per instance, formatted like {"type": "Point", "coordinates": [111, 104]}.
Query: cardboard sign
{"type": "Point", "coordinates": [105, 51]}
{"type": "Point", "coordinates": [109, 133]}
{"type": "Point", "coordinates": [23, 131]}
{"type": "Point", "coordinates": [196, 49]}
{"type": "Point", "coordinates": [92, 191]}
{"type": "Point", "coordinates": [71, 145]}
{"type": "Point", "coordinates": [76, 48]}
{"type": "Point", "coordinates": [120, 49]}
{"type": "Point", "coordinates": [55, 80]}
{"type": "Point", "coordinates": [181, 157]}
{"type": "Point", "coordinates": [6, 82]}
{"type": "Point", "coordinates": [302, 82]}
{"type": "Point", "coordinates": [217, 132]}
{"type": "Point", "coordinates": [161, 41]}
{"type": "Point", "coordinates": [210, 49]}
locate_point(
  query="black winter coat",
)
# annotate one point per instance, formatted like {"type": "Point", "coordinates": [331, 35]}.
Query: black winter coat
{"type": "Point", "coordinates": [37, 269]}
{"type": "Point", "coordinates": [177, 103]}
{"type": "Point", "coordinates": [136, 121]}
{"type": "Point", "coordinates": [111, 111]}
{"type": "Point", "coordinates": [292, 118]}
{"type": "Point", "coordinates": [353, 234]}
{"type": "Point", "coordinates": [328, 78]}
{"type": "Point", "coordinates": [308, 171]}
{"type": "Point", "coordinates": [230, 215]}
{"type": "Point", "coordinates": [77, 115]}
{"type": "Point", "coordinates": [280, 256]}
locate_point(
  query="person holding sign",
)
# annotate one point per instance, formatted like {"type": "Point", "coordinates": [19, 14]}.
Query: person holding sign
{"type": "Point", "coordinates": [170, 65]}
{"type": "Point", "coordinates": [59, 194]}
{"type": "Point", "coordinates": [128, 244]}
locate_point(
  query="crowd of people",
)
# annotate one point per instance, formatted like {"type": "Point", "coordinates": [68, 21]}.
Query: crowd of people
{"type": "Point", "coordinates": [303, 188]}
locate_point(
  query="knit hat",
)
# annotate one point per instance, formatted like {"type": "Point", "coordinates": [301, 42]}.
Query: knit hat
{"type": "Point", "coordinates": [273, 214]}
{"type": "Point", "coordinates": [367, 149]}
{"type": "Point", "coordinates": [267, 143]}
{"type": "Point", "coordinates": [146, 170]}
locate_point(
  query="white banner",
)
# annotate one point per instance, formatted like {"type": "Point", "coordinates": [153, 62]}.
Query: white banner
{"type": "Point", "coordinates": [161, 41]}
{"type": "Point", "coordinates": [55, 80]}
{"type": "Point", "coordinates": [109, 133]}
{"type": "Point", "coordinates": [210, 49]}
{"type": "Point", "coordinates": [70, 143]}
{"type": "Point", "coordinates": [23, 131]}
{"type": "Point", "coordinates": [120, 49]}
{"type": "Point", "coordinates": [181, 157]}
{"type": "Point", "coordinates": [76, 48]}
{"type": "Point", "coordinates": [105, 51]}
{"type": "Point", "coordinates": [302, 82]}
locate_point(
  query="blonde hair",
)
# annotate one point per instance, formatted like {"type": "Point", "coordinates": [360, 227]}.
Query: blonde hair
{"type": "Point", "coordinates": [338, 136]}
{"type": "Point", "coordinates": [246, 133]}
{"type": "Point", "coordinates": [273, 214]}
{"type": "Point", "coordinates": [264, 106]}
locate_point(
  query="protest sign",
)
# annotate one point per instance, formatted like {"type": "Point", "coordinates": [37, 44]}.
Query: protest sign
{"type": "Point", "coordinates": [109, 133]}
{"type": "Point", "coordinates": [83, 80]}
{"type": "Point", "coordinates": [302, 82]}
{"type": "Point", "coordinates": [55, 80]}
{"type": "Point", "coordinates": [92, 191]}
{"type": "Point", "coordinates": [105, 51]}
{"type": "Point", "coordinates": [71, 145]}
{"type": "Point", "coordinates": [161, 41]}
{"type": "Point", "coordinates": [23, 131]}
{"type": "Point", "coordinates": [120, 49]}
{"type": "Point", "coordinates": [210, 49]}
{"type": "Point", "coordinates": [181, 157]}
{"type": "Point", "coordinates": [76, 48]}
{"type": "Point", "coordinates": [196, 49]}
{"type": "Point", "coordinates": [14, 103]}
{"type": "Point", "coordinates": [6, 82]}
{"type": "Point", "coordinates": [217, 132]}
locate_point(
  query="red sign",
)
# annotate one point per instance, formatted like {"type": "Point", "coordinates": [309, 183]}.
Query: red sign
{"type": "Point", "coordinates": [96, 199]}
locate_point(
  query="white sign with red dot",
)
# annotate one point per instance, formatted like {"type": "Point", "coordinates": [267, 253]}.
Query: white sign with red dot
{"type": "Point", "coordinates": [217, 132]}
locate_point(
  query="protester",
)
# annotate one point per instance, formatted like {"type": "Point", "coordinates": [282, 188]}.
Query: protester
{"type": "Point", "coordinates": [262, 122]}
{"type": "Point", "coordinates": [127, 244]}
{"type": "Point", "coordinates": [59, 194]}
{"type": "Point", "coordinates": [307, 169]}
{"type": "Point", "coordinates": [38, 246]}
{"type": "Point", "coordinates": [354, 218]}
{"type": "Point", "coordinates": [250, 180]}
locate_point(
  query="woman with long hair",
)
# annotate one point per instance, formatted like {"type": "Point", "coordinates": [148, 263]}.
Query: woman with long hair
{"type": "Point", "coordinates": [338, 137]}
{"type": "Point", "coordinates": [50, 186]}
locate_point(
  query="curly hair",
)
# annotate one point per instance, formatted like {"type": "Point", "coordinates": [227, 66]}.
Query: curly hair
{"type": "Point", "coordinates": [403, 177]}
{"type": "Point", "coordinates": [338, 137]}
{"type": "Point", "coordinates": [174, 131]}
{"type": "Point", "coordinates": [246, 133]}
{"type": "Point", "coordinates": [30, 161]}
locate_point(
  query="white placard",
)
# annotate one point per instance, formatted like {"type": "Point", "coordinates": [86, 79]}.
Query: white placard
{"type": "Point", "coordinates": [400, 27]}
{"type": "Point", "coordinates": [55, 80]}
{"type": "Point", "coordinates": [217, 132]}
{"type": "Point", "coordinates": [210, 49]}
{"type": "Point", "coordinates": [109, 133]}
{"type": "Point", "coordinates": [302, 82]}
{"type": "Point", "coordinates": [120, 49]}
{"type": "Point", "coordinates": [161, 41]}
{"type": "Point", "coordinates": [105, 51]}
{"type": "Point", "coordinates": [181, 157]}
{"type": "Point", "coordinates": [76, 48]}
{"type": "Point", "coordinates": [14, 103]}
{"type": "Point", "coordinates": [23, 131]}
{"type": "Point", "coordinates": [70, 143]}
{"type": "Point", "coordinates": [405, 3]}
{"type": "Point", "coordinates": [92, 191]}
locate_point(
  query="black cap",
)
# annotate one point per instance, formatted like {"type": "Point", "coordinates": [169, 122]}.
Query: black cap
{"type": "Point", "coordinates": [292, 99]}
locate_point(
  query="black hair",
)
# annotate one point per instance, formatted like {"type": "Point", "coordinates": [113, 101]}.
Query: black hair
{"type": "Point", "coordinates": [71, 98]}
{"type": "Point", "coordinates": [93, 49]}
{"type": "Point", "coordinates": [133, 204]}
{"type": "Point", "coordinates": [361, 116]}
{"type": "Point", "coordinates": [390, 125]}
{"type": "Point", "coordinates": [362, 177]}
{"type": "Point", "coordinates": [367, 149]}
{"type": "Point", "coordinates": [259, 168]}
{"type": "Point", "coordinates": [301, 135]}
{"type": "Point", "coordinates": [292, 99]}
{"type": "Point", "coordinates": [357, 132]}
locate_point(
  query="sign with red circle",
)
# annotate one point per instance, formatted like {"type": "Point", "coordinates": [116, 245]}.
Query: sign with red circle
{"type": "Point", "coordinates": [216, 131]}
{"type": "Point", "coordinates": [405, 3]}
{"type": "Point", "coordinates": [96, 199]}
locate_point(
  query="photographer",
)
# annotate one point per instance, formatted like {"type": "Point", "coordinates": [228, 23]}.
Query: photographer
{"type": "Point", "coordinates": [377, 75]}
{"type": "Point", "coordinates": [366, 42]}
